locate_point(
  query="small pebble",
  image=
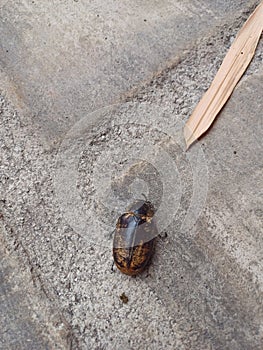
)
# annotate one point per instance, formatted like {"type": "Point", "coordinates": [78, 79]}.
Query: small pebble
{"type": "Point", "coordinates": [124, 298]}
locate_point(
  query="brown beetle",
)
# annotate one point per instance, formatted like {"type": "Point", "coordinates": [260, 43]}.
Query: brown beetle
{"type": "Point", "coordinates": [134, 238]}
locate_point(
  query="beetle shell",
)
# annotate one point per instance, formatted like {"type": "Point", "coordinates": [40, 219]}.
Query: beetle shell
{"type": "Point", "coordinates": [134, 238]}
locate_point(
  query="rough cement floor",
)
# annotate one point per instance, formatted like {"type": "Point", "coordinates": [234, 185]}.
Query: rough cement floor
{"type": "Point", "coordinates": [68, 169]}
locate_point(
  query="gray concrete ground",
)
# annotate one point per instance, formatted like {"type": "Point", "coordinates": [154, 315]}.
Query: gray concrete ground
{"type": "Point", "coordinates": [70, 165]}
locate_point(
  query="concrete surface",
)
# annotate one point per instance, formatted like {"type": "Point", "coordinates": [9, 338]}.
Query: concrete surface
{"type": "Point", "coordinates": [28, 318]}
{"type": "Point", "coordinates": [104, 48]}
{"type": "Point", "coordinates": [68, 169]}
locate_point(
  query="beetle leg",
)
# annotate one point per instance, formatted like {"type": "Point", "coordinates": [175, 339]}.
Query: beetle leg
{"type": "Point", "coordinates": [111, 234]}
{"type": "Point", "coordinates": [163, 237]}
{"type": "Point", "coordinates": [144, 196]}
{"type": "Point", "coordinates": [148, 274]}
{"type": "Point", "coordinates": [112, 270]}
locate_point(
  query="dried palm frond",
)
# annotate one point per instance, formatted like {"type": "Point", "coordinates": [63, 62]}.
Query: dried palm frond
{"type": "Point", "coordinates": [234, 65]}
